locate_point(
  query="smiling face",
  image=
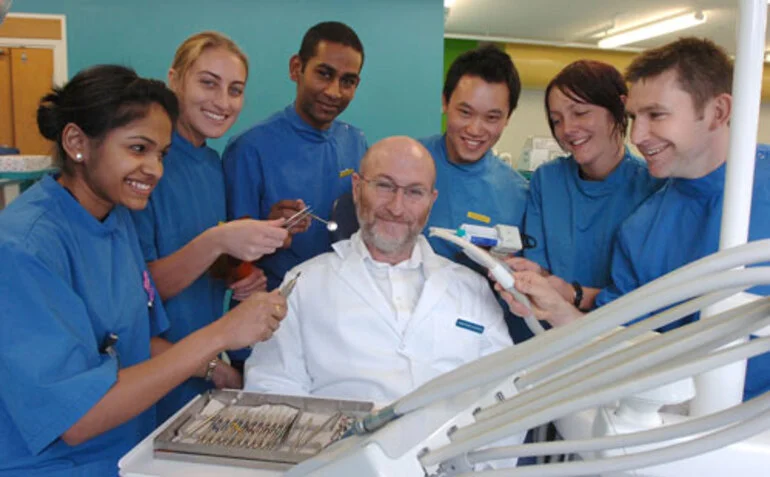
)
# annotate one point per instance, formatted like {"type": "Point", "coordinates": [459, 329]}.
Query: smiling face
{"type": "Point", "coordinates": [585, 130]}
{"type": "Point", "coordinates": [394, 194]}
{"type": "Point", "coordinates": [124, 166]}
{"type": "Point", "coordinates": [477, 113]}
{"type": "Point", "coordinates": [210, 94]}
{"type": "Point", "coordinates": [326, 83]}
{"type": "Point", "coordinates": [675, 139]}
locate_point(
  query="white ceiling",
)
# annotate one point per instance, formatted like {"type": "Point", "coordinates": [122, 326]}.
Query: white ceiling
{"type": "Point", "coordinates": [579, 21]}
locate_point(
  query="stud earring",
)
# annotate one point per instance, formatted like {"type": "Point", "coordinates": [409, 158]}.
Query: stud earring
{"type": "Point", "coordinates": [78, 157]}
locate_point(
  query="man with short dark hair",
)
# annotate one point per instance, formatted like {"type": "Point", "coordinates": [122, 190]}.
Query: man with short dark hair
{"type": "Point", "coordinates": [481, 91]}
{"type": "Point", "coordinates": [302, 154]}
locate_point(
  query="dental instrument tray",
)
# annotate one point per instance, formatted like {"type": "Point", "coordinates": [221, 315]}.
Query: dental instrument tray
{"type": "Point", "coordinates": [262, 431]}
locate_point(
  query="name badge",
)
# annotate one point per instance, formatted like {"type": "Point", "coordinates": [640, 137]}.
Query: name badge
{"type": "Point", "coordinates": [479, 217]}
{"type": "Point", "coordinates": [469, 325]}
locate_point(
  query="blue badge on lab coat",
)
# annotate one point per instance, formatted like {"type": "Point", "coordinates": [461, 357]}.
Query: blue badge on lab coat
{"type": "Point", "coordinates": [470, 326]}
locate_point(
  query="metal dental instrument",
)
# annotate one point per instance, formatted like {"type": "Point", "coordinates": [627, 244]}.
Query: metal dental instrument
{"type": "Point", "coordinates": [331, 225]}
{"type": "Point", "coordinates": [285, 290]}
{"type": "Point", "coordinates": [331, 420]}
{"type": "Point", "coordinates": [296, 218]}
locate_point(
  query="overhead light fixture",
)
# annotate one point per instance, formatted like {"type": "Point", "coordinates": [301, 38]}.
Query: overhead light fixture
{"type": "Point", "coordinates": [651, 30]}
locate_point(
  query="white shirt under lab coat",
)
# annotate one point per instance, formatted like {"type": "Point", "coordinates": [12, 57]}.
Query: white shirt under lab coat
{"type": "Point", "coordinates": [342, 338]}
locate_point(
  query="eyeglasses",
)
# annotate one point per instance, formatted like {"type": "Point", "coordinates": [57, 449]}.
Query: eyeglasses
{"type": "Point", "coordinates": [387, 190]}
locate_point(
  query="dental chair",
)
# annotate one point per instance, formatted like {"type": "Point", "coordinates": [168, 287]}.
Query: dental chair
{"type": "Point", "coordinates": [344, 213]}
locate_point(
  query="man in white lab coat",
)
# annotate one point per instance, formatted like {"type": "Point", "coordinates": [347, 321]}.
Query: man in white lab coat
{"type": "Point", "coordinates": [382, 313]}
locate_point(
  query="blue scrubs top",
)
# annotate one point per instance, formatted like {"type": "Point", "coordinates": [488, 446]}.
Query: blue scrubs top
{"type": "Point", "coordinates": [286, 158]}
{"type": "Point", "coordinates": [67, 280]}
{"type": "Point", "coordinates": [488, 187]}
{"type": "Point", "coordinates": [574, 220]}
{"type": "Point", "coordinates": [189, 199]}
{"type": "Point", "coordinates": [680, 224]}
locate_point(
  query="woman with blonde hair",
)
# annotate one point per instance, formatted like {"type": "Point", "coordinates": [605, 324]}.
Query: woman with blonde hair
{"type": "Point", "coordinates": [180, 231]}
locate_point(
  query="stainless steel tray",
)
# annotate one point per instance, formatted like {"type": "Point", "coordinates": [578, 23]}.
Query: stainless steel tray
{"type": "Point", "coordinates": [239, 417]}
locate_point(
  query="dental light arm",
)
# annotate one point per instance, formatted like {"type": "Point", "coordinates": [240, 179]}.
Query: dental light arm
{"type": "Point", "coordinates": [710, 423]}
{"type": "Point", "coordinates": [693, 340]}
{"type": "Point", "coordinates": [509, 362]}
{"type": "Point", "coordinates": [496, 367]}
{"type": "Point", "coordinates": [559, 340]}
{"type": "Point", "coordinates": [632, 385]}
{"type": "Point", "coordinates": [669, 353]}
{"type": "Point", "coordinates": [661, 350]}
{"type": "Point", "coordinates": [638, 367]}
{"type": "Point", "coordinates": [619, 337]}
{"type": "Point", "coordinates": [656, 457]}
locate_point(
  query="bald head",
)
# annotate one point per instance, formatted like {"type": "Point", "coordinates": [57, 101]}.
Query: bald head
{"type": "Point", "coordinates": [394, 192]}
{"type": "Point", "coordinates": [399, 152]}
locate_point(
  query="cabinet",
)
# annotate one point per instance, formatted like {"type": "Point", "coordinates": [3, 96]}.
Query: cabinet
{"type": "Point", "coordinates": [26, 75]}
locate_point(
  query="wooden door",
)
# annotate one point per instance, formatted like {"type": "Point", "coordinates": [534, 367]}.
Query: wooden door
{"type": "Point", "coordinates": [31, 79]}
{"type": "Point", "coordinates": [6, 99]}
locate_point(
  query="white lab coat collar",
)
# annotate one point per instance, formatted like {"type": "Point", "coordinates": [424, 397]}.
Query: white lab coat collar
{"type": "Point", "coordinates": [352, 269]}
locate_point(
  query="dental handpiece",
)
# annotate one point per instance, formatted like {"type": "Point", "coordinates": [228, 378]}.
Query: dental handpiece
{"type": "Point", "coordinates": [499, 269]}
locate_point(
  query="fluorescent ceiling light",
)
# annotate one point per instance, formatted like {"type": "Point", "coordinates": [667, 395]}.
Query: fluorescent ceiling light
{"type": "Point", "coordinates": [651, 30]}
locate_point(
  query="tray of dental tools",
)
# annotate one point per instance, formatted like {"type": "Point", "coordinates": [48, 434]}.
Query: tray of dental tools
{"type": "Point", "coordinates": [263, 431]}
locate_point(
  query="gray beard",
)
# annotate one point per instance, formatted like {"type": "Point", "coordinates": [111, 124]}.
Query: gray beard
{"type": "Point", "coordinates": [384, 245]}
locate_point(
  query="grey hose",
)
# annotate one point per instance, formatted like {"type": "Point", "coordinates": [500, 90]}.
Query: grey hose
{"type": "Point", "coordinates": [709, 423]}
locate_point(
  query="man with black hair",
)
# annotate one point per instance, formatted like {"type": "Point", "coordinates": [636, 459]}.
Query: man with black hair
{"type": "Point", "coordinates": [481, 91]}
{"type": "Point", "coordinates": [302, 154]}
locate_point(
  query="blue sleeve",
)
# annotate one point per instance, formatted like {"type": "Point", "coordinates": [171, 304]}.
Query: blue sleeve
{"type": "Point", "coordinates": [243, 179]}
{"type": "Point", "coordinates": [144, 222]}
{"type": "Point", "coordinates": [533, 224]}
{"type": "Point", "coordinates": [624, 278]}
{"type": "Point", "coordinates": [50, 365]}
